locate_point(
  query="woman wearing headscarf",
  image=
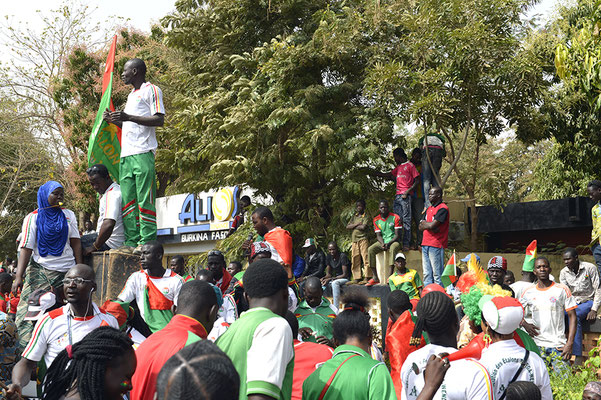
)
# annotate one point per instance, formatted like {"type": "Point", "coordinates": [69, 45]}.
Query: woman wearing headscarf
{"type": "Point", "coordinates": [49, 246]}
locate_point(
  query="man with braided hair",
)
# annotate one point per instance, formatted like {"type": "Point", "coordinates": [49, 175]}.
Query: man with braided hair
{"type": "Point", "coordinates": [63, 326]}
{"type": "Point", "coordinates": [465, 379]}
{"type": "Point", "coordinates": [99, 367]}
{"type": "Point", "coordinates": [259, 343]}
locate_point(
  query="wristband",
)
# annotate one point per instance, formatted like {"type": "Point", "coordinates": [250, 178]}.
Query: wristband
{"type": "Point", "coordinates": [94, 245]}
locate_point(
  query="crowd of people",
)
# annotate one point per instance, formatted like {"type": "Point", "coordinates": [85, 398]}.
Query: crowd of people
{"type": "Point", "coordinates": [262, 327]}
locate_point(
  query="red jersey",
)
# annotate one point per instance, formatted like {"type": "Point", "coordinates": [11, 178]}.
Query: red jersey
{"type": "Point", "coordinates": [154, 352]}
{"type": "Point", "coordinates": [308, 356]}
{"type": "Point", "coordinates": [440, 238]}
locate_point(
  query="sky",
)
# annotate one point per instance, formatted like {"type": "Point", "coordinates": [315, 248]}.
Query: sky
{"type": "Point", "coordinates": [141, 13]}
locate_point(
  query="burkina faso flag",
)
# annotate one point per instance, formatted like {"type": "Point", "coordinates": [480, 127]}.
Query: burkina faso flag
{"type": "Point", "coordinates": [449, 275]}
{"type": "Point", "coordinates": [105, 140]}
{"type": "Point", "coordinates": [530, 257]}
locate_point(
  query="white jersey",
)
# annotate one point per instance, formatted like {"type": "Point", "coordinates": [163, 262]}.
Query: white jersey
{"type": "Point", "coordinates": [502, 360]}
{"type": "Point", "coordinates": [110, 208]}
{"type": "Point", "coordinates": [51, 333]}
{"type": "Point", "coordinates": [545, 309]}
{"type": "Point", "coordinates": [518, 287]}
{"type": "Point", "coordinates": [169, 284]}
{"type": "Point", "coordinates": [144, 102]}
{"type": "Point", "coordinates": [227, 314]}
{"type": "Point", "coordinates": [61, 263]}
{"type": "Point", "coordinates": [465, 379]}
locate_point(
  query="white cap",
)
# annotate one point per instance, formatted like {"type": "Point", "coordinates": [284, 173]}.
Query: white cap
{"type": "Point", "coordinates": [400, 255]}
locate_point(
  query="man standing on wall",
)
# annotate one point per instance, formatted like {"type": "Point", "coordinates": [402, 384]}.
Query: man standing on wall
{"type": "Point", "coordinates": [143, 112]}
{"type": "Point", "coordinates": [435, 238]}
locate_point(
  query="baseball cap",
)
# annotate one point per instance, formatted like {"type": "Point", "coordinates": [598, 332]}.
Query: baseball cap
{"type": "Point", "coordinates": [498, 262]}
{"type": "Point", "coordinates": [39, 301]}
{"type": "Point", "coordinates": [467, 258]}
{"type": "Point", "coordinates": [503, 314]}
{"type": "Point", "coordinates": [399, 255]}
{"type": "Point", "coordinates": [259, 247]}
{"type": "Point", "coordinates": [309, 242]}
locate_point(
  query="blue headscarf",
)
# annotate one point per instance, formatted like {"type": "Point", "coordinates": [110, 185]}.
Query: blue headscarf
{"type": "Point", "coordinates": [52, 227]}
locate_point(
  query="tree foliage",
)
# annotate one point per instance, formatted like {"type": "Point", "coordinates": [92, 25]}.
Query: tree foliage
{"type": "Point", "coordinates": [24, 166]}
{"type": "Point", "coordinates": [294, 98]}
{"type": "Point", "coordinates": [272, 97]}
{"type": "Point", "coordinates": [569, 110]}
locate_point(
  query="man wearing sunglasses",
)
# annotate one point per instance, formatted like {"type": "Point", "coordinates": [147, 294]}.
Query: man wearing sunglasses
{"type": "Point", "coordinates": [62, 327]}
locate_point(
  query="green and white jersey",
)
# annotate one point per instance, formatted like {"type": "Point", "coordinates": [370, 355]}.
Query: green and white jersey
{"type": "Point", "coordinates": [260, 345]}
{"type": "Point", "coordinates": [360, 378]}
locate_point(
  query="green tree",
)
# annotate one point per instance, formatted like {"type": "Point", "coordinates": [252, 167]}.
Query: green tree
{"type": "Point", "coordinates": [463, 70]}
{"type": "Point", "coordinates": [570, 110]}
{"type": "Point", "coordinates": [271, 96]}
{"type": "Point", "coordinates": [24, 166]}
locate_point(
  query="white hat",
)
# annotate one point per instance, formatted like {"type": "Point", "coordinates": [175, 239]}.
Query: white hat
{"type": "Point", "coordinates": [39, 301]}
{"type": "Point", "coordinates": [503, 314]}
{"type": "Point", "coordinates": [400, 255]}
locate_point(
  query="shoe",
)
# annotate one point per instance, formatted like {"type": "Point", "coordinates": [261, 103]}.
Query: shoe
{"type": "Point", "coordinates": [371, 283]}
{"type": "Point", "coordinates": [137, 251]}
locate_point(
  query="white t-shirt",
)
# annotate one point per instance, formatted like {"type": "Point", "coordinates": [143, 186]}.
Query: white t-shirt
{"type": "Point", "coordinates": [144, 102]}
{"type": "Point", "coordinates": [51, 333]}
{"type": "Point", "coordinates": [170, 285]}
{"type": "Point", "coordinates": [272, 348]}
{"type": "Point", "coordinates": [518, 287]}
{"type": "Point", "coordinates": [227, 314]}
{"type": "Point", "coordinates": [502, 360]}
{"type": "Point", "coordinates": [29, 231]}
{"type": "Point", "coordinates": [545, 309]}
{"type": "Point", "coordinates": [465, 379]}
{"type": "Point", "coordinates": [110, 208]}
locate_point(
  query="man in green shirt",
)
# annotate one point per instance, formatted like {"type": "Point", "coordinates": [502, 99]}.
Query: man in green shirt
{"type": "Point", "coordinates": [387, 227]}
{"type": "Point", "coordinates": [405, 279]}
{"type": "Point", "coordinates": [315, 314]}
{"type": "Point", "coordinates": [359, 224]}
{"type": "Point", "coordinates": [259, 343]}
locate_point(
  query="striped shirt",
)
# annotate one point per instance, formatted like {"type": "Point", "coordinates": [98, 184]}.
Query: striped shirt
{"type": "Point", "coordinates": [144, 102]}
{"type": "Point", "coordinates": [51, 333]}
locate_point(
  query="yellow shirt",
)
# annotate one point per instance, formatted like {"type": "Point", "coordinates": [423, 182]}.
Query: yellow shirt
{"type": "Point", "coordinates": [596, 216]}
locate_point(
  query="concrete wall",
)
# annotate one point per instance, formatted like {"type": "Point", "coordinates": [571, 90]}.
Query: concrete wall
{"type": "Point", "coordinates": [514, 261]}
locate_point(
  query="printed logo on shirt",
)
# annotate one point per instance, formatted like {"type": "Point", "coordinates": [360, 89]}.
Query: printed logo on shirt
{"type": "Point", "coordinates": [165, 290]}
{"type": "Point", "coordinates": [553, 300]}
{"type": "Point", "coordinates": [63, 340]}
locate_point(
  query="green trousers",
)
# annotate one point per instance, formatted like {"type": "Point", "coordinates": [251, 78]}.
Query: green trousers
{"type": "Point", "coordinates": [376, 248]}
{"type": "Point", "coordinates": [138, 192]}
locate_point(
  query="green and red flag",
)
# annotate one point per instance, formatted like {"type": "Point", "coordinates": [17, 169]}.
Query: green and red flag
{"type": "Point", "coordinates": [105, 140]}
{"type": "Point", "coordinates": [530, 257]}
{"type": "Point", "coordinates": [449, 275]}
